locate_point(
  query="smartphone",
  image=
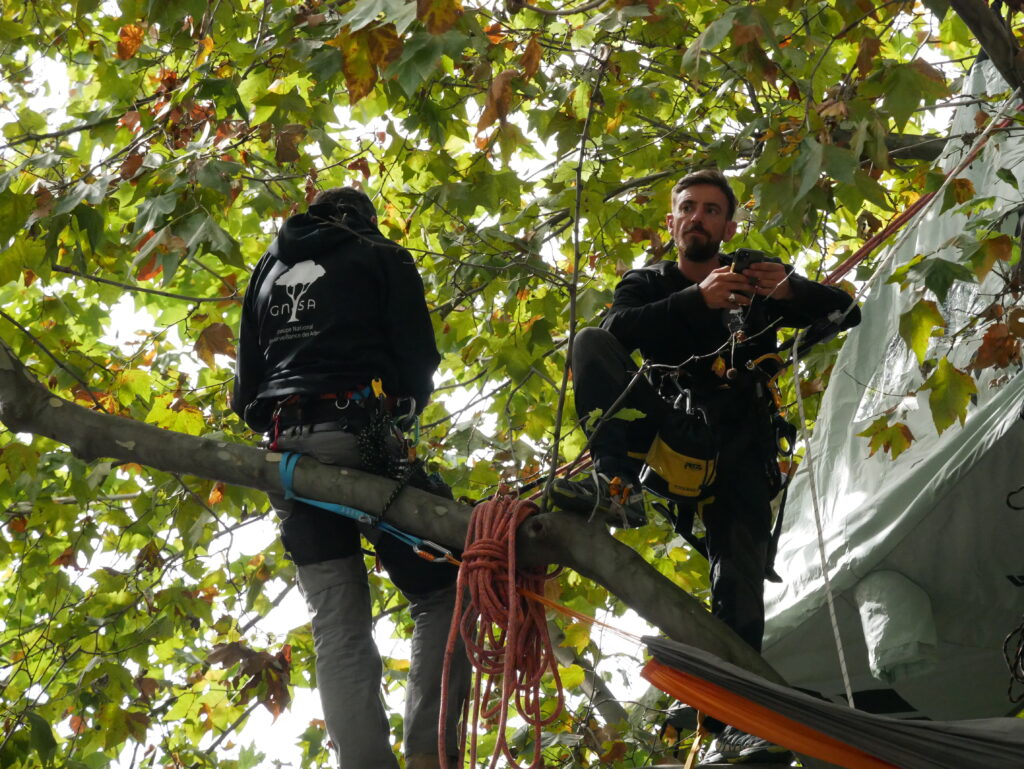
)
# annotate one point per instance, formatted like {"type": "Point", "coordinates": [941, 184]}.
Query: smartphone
{"type": "Point", "coordinates": [742, 258]}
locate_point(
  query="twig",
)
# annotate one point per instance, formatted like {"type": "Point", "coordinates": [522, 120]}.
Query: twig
{"type": "Point", "coordinates": [141, 289]}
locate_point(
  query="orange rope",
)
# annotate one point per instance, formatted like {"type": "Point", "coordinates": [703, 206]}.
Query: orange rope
{"type": "Point", "coordinates": [505, 633]}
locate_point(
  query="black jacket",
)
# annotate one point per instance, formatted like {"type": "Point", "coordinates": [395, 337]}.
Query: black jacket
{"type": "Point", "coordinates": [331, 305]}
{"type": "Point", "coordinates": [661, 313]}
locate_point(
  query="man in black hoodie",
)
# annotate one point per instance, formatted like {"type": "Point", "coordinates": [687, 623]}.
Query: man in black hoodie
{"type": "Point", "coordinates": [714, 324]}
{"type": "Point", "coordinates": [332, 306]}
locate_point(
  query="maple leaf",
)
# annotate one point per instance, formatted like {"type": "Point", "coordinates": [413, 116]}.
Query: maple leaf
{"type": "Point", "coordinates": [951, 391]}
{"type": "Point", "coordinates": [129, 38]}
{"type": "Point", "coordinates": [149, 268]}
{"type": "Point", "coordinates": [963, 189]}
{"type": "Point", "coordinates": [438, 16]}
{"type": "Point", "coordinates": [203, 51]}
{"type": "Point", "coordinates": [214, 339]}
{"type": "Point", "coordinates": [893, 439]}
{"type": "Point", "coordinates": [916, 326]}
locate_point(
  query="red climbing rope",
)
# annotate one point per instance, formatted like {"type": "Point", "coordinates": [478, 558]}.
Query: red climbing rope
{"type": "Point", "coordinates": [505, 633]}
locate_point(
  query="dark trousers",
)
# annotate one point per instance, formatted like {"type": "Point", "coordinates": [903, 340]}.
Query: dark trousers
{"type": "Point", "coordinates": [736, 514]}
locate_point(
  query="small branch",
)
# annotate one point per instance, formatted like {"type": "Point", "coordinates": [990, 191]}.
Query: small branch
{"type": "Point", "coordinates": [142, 290]}
{"type": "Point", "coordinates": [577, 258]}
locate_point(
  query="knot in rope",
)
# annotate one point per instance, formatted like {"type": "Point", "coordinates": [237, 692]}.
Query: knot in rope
{"type": "Point", "coordinates": [505, 633]}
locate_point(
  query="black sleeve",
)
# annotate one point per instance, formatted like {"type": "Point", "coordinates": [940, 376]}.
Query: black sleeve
{"type": "Point", "coordinates": [640, 307]}
{"type": "Point", "coordinates": [411, 332]}
{"type": "Point", "coordinates": [250, 366]}
{"type": "Point", "coordinates": [814, 302]}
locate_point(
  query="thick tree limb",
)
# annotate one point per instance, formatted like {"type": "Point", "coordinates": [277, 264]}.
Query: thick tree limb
{"type": "Point", "coordinates": [27, 406]}
{"type": "Point", "coordinates": [995, 39]}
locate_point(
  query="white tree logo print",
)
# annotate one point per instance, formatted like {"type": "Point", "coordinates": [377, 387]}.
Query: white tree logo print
{"type": "Point", "coordinates": [297, 282]}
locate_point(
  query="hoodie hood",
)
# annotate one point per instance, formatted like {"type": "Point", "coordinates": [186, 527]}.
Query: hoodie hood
{"type": "Point", "coordinates": [323, 229]}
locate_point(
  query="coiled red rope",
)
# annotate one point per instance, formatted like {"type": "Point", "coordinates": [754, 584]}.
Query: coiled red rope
{"type": "Point", "coordinates": [505, 633]}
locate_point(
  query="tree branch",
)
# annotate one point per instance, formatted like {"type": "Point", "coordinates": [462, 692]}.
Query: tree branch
{"type": "Point", "coordinates": [995, 39]}
{"type": "Point", "coordinates": [561, 538]}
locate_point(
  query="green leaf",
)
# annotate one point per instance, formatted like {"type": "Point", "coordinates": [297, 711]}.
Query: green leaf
{"type": "Point", "coordinates": [951, 392]}
{"type": "Point", "coordinates": [916, 326]}
{"type": "Point", "coordinates": [42, 739]}
{"type": "Point", "coordinates": [940, 274]}
{"type": "Point", "coordinates": [809, 166]}
{"type": "Point", "coordinates": [14, 210]}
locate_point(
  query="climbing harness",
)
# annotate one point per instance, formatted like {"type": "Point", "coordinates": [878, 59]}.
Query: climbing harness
{"type": "Point", "coordinates": [504, 631]}
{"type": "Point", "coordinates": [424, 548]}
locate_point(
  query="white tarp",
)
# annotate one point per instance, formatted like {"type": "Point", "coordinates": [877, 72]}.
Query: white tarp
{"type": "Point", "coordinates": [937, 516]}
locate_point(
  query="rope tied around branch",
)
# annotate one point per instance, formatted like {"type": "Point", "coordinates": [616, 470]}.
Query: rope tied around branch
{"type": "Point", "coordinates": [505, 632]}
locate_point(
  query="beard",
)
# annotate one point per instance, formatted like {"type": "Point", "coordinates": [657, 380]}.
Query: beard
{"type": "Point", "coordinates": [700, 251]}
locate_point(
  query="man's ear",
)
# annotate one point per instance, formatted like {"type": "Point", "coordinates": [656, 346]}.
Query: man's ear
{"type": "Point", "coordinates": [373, 220]}
{"type": "Point", "coordinates": [730, 230]}
{"type": "Point", "coordinates": [668, 221]}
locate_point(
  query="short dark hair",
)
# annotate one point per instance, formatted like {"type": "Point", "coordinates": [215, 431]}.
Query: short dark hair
{"type": "Point", "coordinates": [712, 177]}
{"type": "Point", "coordinates": [347, 197]}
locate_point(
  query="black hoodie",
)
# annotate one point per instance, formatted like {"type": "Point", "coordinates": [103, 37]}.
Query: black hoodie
{"type": "Point", "coordinates": [331, 305]}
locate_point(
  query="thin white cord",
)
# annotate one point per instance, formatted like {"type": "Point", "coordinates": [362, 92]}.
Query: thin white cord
{"type": "Point", "coordinates": [817, 522]}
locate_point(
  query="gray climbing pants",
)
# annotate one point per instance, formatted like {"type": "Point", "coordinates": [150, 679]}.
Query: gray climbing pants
{"type": "Point", "coordinates": [348, 664]}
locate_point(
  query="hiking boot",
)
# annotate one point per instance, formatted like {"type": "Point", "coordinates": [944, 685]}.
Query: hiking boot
{"type": "Point", "coordinates": [618, 502]}
{"type": "Point", "coordinates": [732, 746]}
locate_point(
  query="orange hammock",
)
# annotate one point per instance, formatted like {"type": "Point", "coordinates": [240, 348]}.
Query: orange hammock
{"type": "Point", "coordinates": [821, 729]}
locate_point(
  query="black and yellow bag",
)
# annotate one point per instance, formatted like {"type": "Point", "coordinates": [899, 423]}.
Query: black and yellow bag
{"type": "Point", "coordinates": [682, 460]}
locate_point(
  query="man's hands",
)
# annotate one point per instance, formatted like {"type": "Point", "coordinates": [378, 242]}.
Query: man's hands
{"type": "Point", "coordinates": [723, 289]}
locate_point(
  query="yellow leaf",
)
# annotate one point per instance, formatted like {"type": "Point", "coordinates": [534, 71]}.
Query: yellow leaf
{"type": "Point", "coordinates": [577, 636]}
{"type": "Point", "coordinates": [438, 16]}
{"type": "Point", "coordinates": [205, 46]}
{"type": "Point", "coordinates": [357, 66]}
{"type": "Point", "coordinates": [571, 676]}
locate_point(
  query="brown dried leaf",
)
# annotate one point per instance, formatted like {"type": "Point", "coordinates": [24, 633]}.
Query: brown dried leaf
{"type": "Point", "coordinates": [362, 165]}
{"type": "Point", "coordinates": [129, 38]}
{"type": "Point", "coordinates": [228, 654]}
{"type": "Point", "coordinates": [998, 348]}
{"type": "Point", "coordinates": [131, 165]}
{"type": "Point", "coordinates": [1015, 322]}
{"type": "Point", "coordinates": [869, 48]}
{"type": "Point", "coordinates": [963, 189]}
{"type": "Point", "coordinates": [214, 339]}
{"type": "Point", "coordinates": [499, 96]}
{"type": "Point", "coordinates": [530, 60]}
{"type": "Point", "coordinates": [746, 33]}
{"type": "Point", "coordinates": [286, 146]}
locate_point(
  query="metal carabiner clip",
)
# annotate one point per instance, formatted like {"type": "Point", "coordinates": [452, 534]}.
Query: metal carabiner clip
{"type": "Point", "coordinates": [440, 553]}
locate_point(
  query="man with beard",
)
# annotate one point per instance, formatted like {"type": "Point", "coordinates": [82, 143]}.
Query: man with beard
{"type": "Point", "coordinates": [712, 324]}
